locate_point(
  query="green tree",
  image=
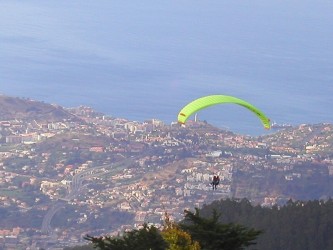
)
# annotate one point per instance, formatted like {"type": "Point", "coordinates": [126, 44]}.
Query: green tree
{"type": "Point", "coordinates": [149, 237]}
{"type": "Point", "coordinates": [177, 238]}
{"type": "Point", "coordinates": [212, 235]}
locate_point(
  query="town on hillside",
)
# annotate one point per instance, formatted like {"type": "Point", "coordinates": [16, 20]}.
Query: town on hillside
{"type": "Point", "coordinates": [88, 173]}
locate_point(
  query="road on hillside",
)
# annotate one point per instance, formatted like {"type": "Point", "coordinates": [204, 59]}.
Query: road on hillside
{"type": "Point", "coordinates": [75, 188]}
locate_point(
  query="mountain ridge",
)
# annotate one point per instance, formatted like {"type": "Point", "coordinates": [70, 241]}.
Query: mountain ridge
{"type": "Point", "coordinates": [26, 108]}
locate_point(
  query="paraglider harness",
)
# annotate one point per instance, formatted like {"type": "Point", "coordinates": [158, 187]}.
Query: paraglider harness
{"type": "Point", "coordinates": [215, 182]}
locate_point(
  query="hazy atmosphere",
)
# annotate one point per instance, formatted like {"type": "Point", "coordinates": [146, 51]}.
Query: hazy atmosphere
{"type": "Point", "coordinates": [148, 59]}
{"type": "Point", "coordinates": [96, 148]}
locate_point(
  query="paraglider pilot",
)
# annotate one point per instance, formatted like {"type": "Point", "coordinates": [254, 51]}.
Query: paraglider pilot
{"type": "Point", "coordinates": [215, 182]}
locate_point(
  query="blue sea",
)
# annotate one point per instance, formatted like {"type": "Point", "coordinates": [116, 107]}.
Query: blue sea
{"type": "Point", "coordinates": [147, 59]}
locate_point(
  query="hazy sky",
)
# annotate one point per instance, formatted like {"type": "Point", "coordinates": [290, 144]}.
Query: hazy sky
{"type": "Point", "coordinates": [145, 59]}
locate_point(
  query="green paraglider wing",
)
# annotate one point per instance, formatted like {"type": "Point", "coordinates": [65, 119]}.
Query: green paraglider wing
{"type": "Point", "coordinates": [207, 101]}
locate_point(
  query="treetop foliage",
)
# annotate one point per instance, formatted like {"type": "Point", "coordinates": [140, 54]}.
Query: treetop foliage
{"type": "Point", "coordinates": [194, 234]}
{"type": "Point", "coordinates": [236, 224]}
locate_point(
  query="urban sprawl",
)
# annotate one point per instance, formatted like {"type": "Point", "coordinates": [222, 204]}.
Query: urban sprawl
{"type": "Point", "coordinates": [99, 175]}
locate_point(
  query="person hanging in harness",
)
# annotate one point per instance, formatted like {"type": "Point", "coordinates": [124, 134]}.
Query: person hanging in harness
{"type": "Point", "coordinates": [215, 182]}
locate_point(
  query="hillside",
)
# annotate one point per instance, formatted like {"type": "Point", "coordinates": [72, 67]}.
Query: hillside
{"type": "Point", "coordinates": [296, 225]}
{"type": "Point", "coordinates": [86, 172]}
{"type": "Point", "coordinates": [27, 109]}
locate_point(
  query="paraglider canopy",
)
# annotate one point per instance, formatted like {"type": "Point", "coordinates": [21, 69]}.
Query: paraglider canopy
{"type": "Point", "coordinates": [210, 100]}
